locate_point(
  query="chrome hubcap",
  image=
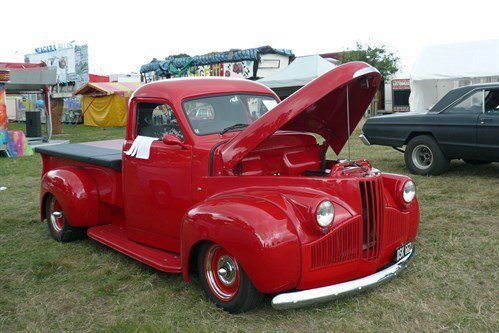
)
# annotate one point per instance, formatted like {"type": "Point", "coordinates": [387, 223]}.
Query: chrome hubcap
{"type": "Point", "coordinates": [56, 216]}
{"type": "Point", "coordinates": [422, 157]}
{"type": "Point", "coordinates": [226, 270]}
{"type": "Point", "coordinates": [55, 219]}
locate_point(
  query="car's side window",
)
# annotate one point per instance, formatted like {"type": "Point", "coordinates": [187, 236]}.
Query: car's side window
{"type": "Point", "coordinates": [470, 105]}
{"type": "Point", "coordinates": [157, 120]}
{"type": "Point", "coordinates": [492, 102]}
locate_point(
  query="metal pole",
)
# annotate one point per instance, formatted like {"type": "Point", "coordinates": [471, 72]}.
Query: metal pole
{"type": "Point", "coordinates": [348, 124]}
{"type": "Point", "coordinates": [48, 112]}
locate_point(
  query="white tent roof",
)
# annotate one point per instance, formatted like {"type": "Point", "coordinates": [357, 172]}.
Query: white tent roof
{"type": "Point", "coordinates": [300, 72]}
{"type": "Point", "coordinates": [440, 68]}
{"type": "Point", "coordinates": [463, 60]}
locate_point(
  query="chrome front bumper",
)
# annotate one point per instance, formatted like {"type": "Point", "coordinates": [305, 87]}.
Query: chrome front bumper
{"type": "Point", "coordinates": [324, 294]}
{"type": "Point", "coordinates": [364, 140]}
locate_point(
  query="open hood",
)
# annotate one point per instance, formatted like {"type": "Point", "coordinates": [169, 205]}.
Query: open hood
{"type": "Point", "coordinates": [319, 107]}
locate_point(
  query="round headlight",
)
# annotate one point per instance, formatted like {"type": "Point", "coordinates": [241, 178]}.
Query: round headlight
{"type": "Point", "coordinates": [409, 191]}
{"type": "Point", "coordinates": [325, 213]}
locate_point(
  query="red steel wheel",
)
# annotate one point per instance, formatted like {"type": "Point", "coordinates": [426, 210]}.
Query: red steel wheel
{"type": "Point", "coordinates": [224, 280]}
{"type": "Point", "coordinates": [59, 227]}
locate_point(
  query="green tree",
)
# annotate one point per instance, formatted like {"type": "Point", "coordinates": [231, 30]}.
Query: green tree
{"type": "Point", "coordinates": [385, 61]}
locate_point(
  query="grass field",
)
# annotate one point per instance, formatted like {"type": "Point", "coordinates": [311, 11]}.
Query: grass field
{"type": "Point", "coordinates": [85, 287]}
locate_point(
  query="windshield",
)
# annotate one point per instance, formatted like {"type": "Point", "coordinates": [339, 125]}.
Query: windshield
{"type": "Point", "coordinates": [223, 113]}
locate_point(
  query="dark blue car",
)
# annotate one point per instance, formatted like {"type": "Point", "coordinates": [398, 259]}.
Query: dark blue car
{"type": "Point", "coordinates": [464, 124]}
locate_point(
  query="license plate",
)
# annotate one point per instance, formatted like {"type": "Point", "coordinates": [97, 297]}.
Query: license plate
{"type": "Point", "coordinates": [403, 250]}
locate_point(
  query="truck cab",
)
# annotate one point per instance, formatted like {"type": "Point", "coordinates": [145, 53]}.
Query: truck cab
{"type": "Point", "coordinates": [219, 177]}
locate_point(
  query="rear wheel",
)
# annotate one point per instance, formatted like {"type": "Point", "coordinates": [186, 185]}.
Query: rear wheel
{"type": "Point", "coordinates": [224, 281]}
{"type": "Point", "coordinates": [58, 225]}
{"type": "Point", "coordinates": [423, 156]}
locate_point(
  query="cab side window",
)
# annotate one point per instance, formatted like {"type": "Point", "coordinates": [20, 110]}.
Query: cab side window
{"type": "Point", "coordinates": [157, 120]}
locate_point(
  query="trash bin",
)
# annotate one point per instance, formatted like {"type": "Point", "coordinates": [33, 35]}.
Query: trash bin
{"type": "Point", "coordinates": [33, 124]}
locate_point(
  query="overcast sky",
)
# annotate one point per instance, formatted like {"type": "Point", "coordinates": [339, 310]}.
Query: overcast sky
{"type": "Point", "coordinates": [123, 35]}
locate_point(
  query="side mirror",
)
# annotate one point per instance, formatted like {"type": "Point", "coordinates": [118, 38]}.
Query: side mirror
{"type": "Point", "coordinates": [172, 140]}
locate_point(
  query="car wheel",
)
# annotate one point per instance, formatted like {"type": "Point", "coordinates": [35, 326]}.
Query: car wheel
{"type": "Point", "coordinates": [423, 156]}
{"type": "Point", "coordinates": [476, 162]}
{"type": "Point", "coordinates": [224, 281]}
{"type": "Point", "coordinates": [58, 225]}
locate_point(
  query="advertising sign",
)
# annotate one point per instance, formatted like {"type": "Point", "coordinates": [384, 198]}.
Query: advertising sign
{"type": "Point", "coordinates": [401, 90]}
{"type": "Point", "coordinates": [71, 61]}
{"type": "Point", "coordinates": [401, 84]}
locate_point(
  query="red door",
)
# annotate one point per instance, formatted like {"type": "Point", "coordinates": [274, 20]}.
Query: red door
{"type": "Point", "coordinates": [157, 190]}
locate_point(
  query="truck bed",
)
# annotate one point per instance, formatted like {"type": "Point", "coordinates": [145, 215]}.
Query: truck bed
{"type": "Point", "coordinates": [103, 153]}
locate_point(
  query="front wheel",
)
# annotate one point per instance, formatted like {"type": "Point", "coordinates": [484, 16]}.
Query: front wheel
{"type": "Point", "coordinates": [423, 156]}
{"type": "Point", "coordinates": [224, 281]}
{"type": "Point", "coordinates": [58, 224]}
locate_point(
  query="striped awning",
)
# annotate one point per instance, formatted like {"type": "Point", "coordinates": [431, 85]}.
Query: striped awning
{"type": "Point", "coordinates": [124, 89]}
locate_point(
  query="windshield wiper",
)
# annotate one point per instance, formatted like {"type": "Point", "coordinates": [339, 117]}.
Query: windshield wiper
{"type": "Point", "coordinates": [233, 127]}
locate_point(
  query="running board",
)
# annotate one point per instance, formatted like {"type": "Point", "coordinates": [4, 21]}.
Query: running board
{"type": "Point", "coordinates": [115, 237]}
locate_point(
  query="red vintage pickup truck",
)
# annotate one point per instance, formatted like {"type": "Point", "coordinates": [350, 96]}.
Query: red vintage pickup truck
{"type": "Point", "coordinates": [217, 176]}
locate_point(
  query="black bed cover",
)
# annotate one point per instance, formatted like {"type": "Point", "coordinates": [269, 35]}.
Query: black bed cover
{"type": "Point", "coordinates": [91, 153]}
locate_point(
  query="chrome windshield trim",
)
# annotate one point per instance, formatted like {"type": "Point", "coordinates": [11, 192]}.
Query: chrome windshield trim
{"type": "Point", "coordinates": [325, 294]}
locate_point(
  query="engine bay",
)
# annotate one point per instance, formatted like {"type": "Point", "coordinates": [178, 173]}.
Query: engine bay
{"type": "Point", "coordinates": [296, 154]}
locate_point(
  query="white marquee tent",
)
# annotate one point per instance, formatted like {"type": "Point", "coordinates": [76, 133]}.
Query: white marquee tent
{"type": "Point", "coordinates": [441, 68]}
{"type": "Point", "coordinates": [300, 72]}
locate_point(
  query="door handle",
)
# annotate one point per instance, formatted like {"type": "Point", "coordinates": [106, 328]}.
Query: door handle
{"type": "Point", "coordinates": [485, 120]}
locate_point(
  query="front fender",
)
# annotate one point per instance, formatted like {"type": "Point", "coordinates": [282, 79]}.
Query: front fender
{"type": "Point", "coordinates": [393, 185]}
{"type": "Point", "coordinates": [254, 230]}
{"type": "Point", "coordinates": [76, 192]}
